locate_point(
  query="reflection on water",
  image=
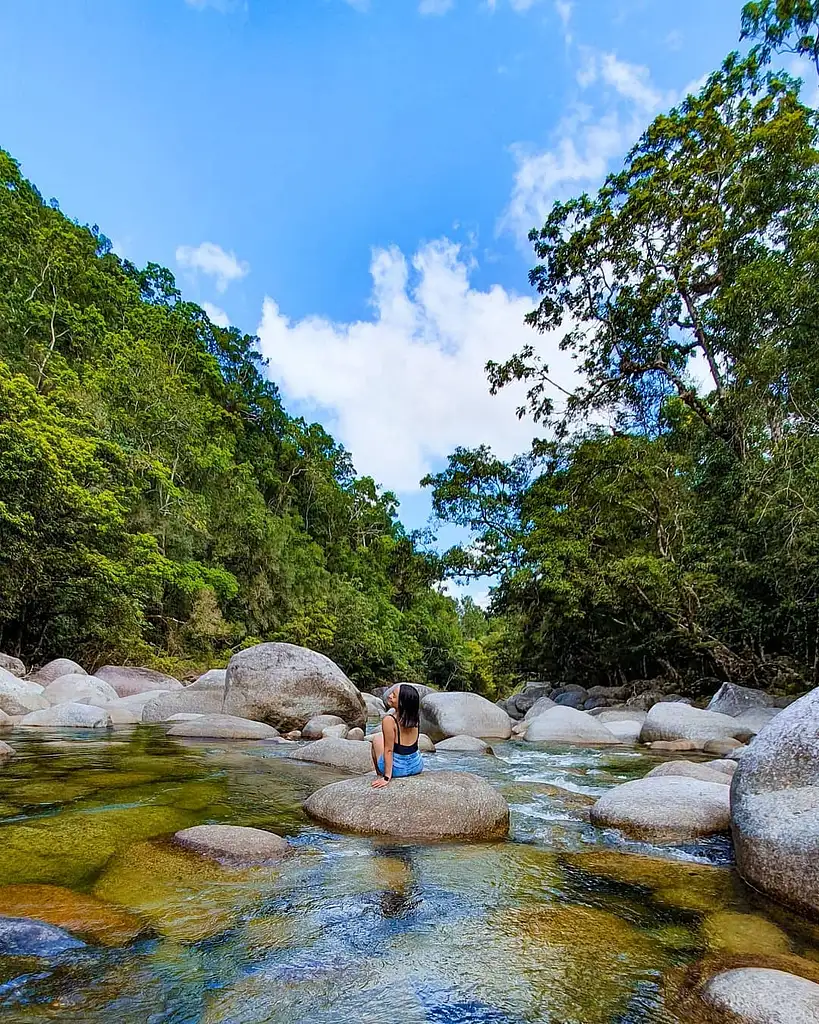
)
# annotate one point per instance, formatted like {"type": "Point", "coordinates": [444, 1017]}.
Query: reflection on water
{"type": "Point", "coordinates": [562, 924]}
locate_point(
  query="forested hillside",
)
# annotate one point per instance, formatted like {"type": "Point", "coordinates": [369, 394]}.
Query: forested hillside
{"type": "Point", "coordinates": [159, 505]}
{"type": "Point", "coordinates": [670, 524]}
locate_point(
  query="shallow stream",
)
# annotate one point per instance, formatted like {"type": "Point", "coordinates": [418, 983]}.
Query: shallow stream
{"type": "Point", "coordinates": [562, 924]}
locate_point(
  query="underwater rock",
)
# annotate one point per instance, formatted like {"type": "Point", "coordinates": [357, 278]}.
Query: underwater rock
{"type": "Point", "coordinates": [665, 809]}
{"type": "Point", "coordinates": [728, 931]}
{"type": "Point", "coordinates": [20, 936]}
{"type": "Point", "coordinates": [83, 915]}
{"type": "Point", "coordinates": [233, 844]}
{"type": "Point", "coordinates": [463, 714]}
{"type": "Point", "coordinates": [433, 805]}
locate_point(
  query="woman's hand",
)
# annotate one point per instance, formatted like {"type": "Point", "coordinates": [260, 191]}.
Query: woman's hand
{"type": "Point", "coordinates": [380, 783]}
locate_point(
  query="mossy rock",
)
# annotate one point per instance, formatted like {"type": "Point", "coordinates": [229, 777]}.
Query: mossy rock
{"type": "Point", "coordinates": [71, 848]}
{"type": "Point", "coordinates": [184, 896]}
{"type": "Point", "coordinates": [85, 916]}
{"type": "Point", "coordinates": [730, 932]}
{"type": "Point", "coordinates": [680, 884]}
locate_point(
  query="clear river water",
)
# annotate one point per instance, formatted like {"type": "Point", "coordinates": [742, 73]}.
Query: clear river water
{"type": "Point", "coordinates": [562, 924]}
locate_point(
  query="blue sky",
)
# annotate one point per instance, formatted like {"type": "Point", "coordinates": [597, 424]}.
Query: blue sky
{"type": "Point", "coordinates": [353, 180]}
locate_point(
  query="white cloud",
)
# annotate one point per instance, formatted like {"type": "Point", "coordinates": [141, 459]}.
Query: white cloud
{"type": "Point", "coordinates": [212, 261]}
{"type": "Point", "coordinates": [402, 389]}
{"type": "Point", "coordinates": [217, 316]}
{"type": "Point", "coordinates": [435, 6]}
{"type": "Point", "coordinates": [586, 141]}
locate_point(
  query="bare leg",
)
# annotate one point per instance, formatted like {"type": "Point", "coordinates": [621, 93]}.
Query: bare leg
{"type": "Point", "coordinates": [377, 750]}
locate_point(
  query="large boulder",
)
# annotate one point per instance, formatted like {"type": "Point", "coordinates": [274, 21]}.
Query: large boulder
{"type": "Point", "coordinates": [20, 696]}
{"type": "Point", "coordinates": [463, 744]}
{"type": "Point", "coordinates": [572, 699]}
{"type": "Point", "coordinates": [690, 770]}
{"type": "Point", "coordinates": [731, 699]}
{"type": "Point", "coordinates": [128, 681]}
{"type": "Point", "coordinates": [758, 995]}
{"type": "Point", "coordinates": [12, 665]}
{"type": "Point", "coordinates": [665, 809]}
{"type": "Point", "coordinates": [570, 726]}
{"type": "Point", "coordinates": [755, 720]}
{"type": "Point", "coordinates": [673, 721]}
{"type": "Point", "coordinates": [286, 686]}
{"type": "Point", "coordinates": [54, 669]}
{"type": "Point", "coordinates": [20, 936]}
{"type": "Point", "coordinates": [348, 755]}
{"type": "Point", "coordinates": [233, 844]}
{"type": "Point", "coordinates": [188, 701]}
{"type": "Point", "coordinates": [627, 732]}
{"type": "Point", "coordinates": [775, 807]}
{"type": "Point", "coordinates": [79, 689]}
{"type": "Point", "coordinates": [430, 806]}
{"type": "Point", "coordinates": [540, 705]}
{"type": "Point", "coordinates": [463, 714]}
{"type": "Point", "coordinates": [213, 679]}
{"type": "Point", "coordinates": [223, 727]}
{"type": "Point", "coordinates": [68, 716]}
{"type": "Point", "coordinates": [609, 715]}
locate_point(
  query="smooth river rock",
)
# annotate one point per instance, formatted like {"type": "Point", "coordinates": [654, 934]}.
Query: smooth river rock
{"type": "Point", "coordinates": [732, 699]}
{"type": "Point", "coordinates": [775, 807]}
{"type": "Point", "coordinates": [12, 665]}
{"type": "Point", "coordinates": [463, 714]}
{"type": "Point", "coordinates": [54, 669]}
{"type": "Point", "coordinates": [540, 705]}
{"type": "Point", "coordinates": [224, 727]}
{"type": "Point", "coordinates": [430, 806]}
{"type": "Point", "coordinates": [627, 732]}
{"type": "Point", "coordinates": [669, 721]}
{"type": "Point", "coordinates": [84, 916]}
{"type": "Point", "coordinates": [76, 688]}
{"type": "Point", "coordinates": [464, 744]}
{"type": "Point", "coordinates": [129, 681]}
{"type": "Point", "coordinates": [20, 696]}
{"type": "Point", "coordinates": [20, 936]}
{"type": "Point", "coordinates": [570, 726]}
{"type": "Point", "coordinates": [348, 755]}
{"type": "Point", "coordinates": [6, 752]}
{"type": "Point", "coordinates": [756, 995]}
{"type": "Point", "coordinates": [233, 844]}
{"type": "Point", "coordinates": [690, 770]}
{"type": "Point", "coordinates": [68, 716]}
{"type": "Point", "coordinates": [665, 809]}
{"type": "Point", "coordinates": [314, 729]}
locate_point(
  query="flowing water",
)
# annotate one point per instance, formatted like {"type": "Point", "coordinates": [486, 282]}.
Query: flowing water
{"type": "Point", "coordinates": [564, 923]}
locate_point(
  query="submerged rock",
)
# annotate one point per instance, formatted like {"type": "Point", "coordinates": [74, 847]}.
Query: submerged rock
{"type": "Point", "coordinates": [775, 807]}
{"type": "Point", "coordinates": [79, 689]}
{"type": "Point", "coordinates": [754, 995]}
{"type": "Point", "coordinates": [463, 714]}
{"type": "Point", "coordinates": [83, 915]}
{"type": "Point", "coordinates": [21, 936]}
{"type": "Point", "coordinates": [348, 755]}
{"type": "Point", "coordinates": [68, 716]}
{"type": "Point", "coordinates": [727, 931]}
{"type": "Point", "coordinates": [465, 744]}
{"type": "Point", "coordinates": [667, 809]}
{"type": "Point", "coordinates": [54, 669]}
{"type": "Point", "coordinates": [567, 725]}
{"type": "Point", "coordinates": [233, 844]}
{"type": "Point", "coordinates": [129, 681]}
{"type": "Point", "coordinates": [433, 805]}
{"type": "Point", "coordinates": [225, 727]}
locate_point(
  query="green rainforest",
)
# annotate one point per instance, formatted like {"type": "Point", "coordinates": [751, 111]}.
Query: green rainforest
{"type": "Point", "coordinates": [158, 504]}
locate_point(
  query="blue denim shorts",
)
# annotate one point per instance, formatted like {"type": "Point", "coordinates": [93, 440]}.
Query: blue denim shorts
{"type": "Point", "coordinates": [404, 764]}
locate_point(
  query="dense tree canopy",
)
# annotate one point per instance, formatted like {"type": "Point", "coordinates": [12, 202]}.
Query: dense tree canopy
{"type": "Point", "coordinates": [158, 504]}
{"type": "Point", "coordinates": [671, 525]}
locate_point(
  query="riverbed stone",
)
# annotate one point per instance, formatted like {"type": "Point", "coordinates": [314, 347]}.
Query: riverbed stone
{"type": "Point", "coordinates": [6, 752]}
{"type": "Point", "coordinates": [732, 699]}
{"type": "Point", "coordinates": [223, 727]}
{"type": "Point", "coordinates": [464, 744]}
{"type": "Point", "coordinates": [725, 765]}
{"type": "Point", "coordinates": [569, 726]}
{"type": "Point", "coordinates": [346, 755]}
{"type": "Point", "coordinates": [314, 729]}
{"type": "Point", "coordinates": [430, 806]}
{"type": "Point", "coordinates": [691, 770]}
{"type": "Point", "coordinates": [627, 732]}
{"type": "Point", "coordinates": [128, 681]}
{"type": "Point", "coordinates": [54, 669]}
{"type": "Point", "coordinates": [20, 936]}
{"type": "Point", "coordinates": [338, 732]}
{"type": "Point", "coordinates": [355, 734]}
{"type": "Point", "coordinates": [425, 744]}
{"type": "Point", "coordinates": [609, 715]}
{"type": "Point", "coordinates": [285, 686]}
{"type": "Point", "coordinates": [76, 688]}
{"type": "Point", "coordinates": [233, 844]}
{"type": "Point", "coordinates": [83, 915]}
{"type": "Point", "coordinates": [188, 701]}
{"type": "Point", "coordinates": [12, 665]}
{"type": "Point", "coordinates": [775, 807]}
{"type": "Point", "coordinates": [673, 721]}
{"type": "Point", "coordinates": [68, 716]}
{"type": "Point", "coordinates": [755, 720]}
{"type": "Point", "coordinates": [727, 931]}
{"type": "Point", "coordinates": [674, 746]}
{"type": "Point", "coordinates": [665, 809]}
{"type": "Point", "coordinates": [122, 715]}
{"type": "Point", "coordinates": [20, 696]}
{"type": "Point", "coordinates": [755, 995]}
{"type": "Point", "coordinates": [463, 714]}
{"type": "Point", "coordinates": [540, 705]}
{"type": "Point", "coordinates": [720, 746]}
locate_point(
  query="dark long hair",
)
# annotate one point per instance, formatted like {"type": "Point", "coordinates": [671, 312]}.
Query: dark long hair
{"type": "Point", "coordinates": [408, 706]}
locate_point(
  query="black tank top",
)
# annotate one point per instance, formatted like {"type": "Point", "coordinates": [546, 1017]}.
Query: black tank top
{"type": "Point", "coordinates": [399, 747]}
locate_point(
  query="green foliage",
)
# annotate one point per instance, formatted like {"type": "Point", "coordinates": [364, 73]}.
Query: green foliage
{"type": "Point", "coordinates": [783, 26]}
{"type": "Point", "coordinates": [159, 505]}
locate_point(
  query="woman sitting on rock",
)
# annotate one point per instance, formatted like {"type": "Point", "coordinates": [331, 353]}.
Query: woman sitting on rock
{"type": "Point", "coordinates": [395, 749]}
